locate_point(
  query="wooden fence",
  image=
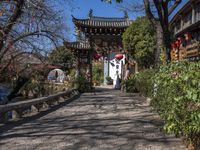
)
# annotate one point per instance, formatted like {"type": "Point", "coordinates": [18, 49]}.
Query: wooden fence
{"type": "Point", "coordinates": [22, 108]}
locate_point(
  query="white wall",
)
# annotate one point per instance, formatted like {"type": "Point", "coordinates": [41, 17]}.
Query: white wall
{"type": "Point", "coordinates": [115, 65]}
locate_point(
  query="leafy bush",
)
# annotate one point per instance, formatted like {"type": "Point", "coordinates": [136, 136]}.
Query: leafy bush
{"type": "Point", "coordinates": [139, 40]}
{"type": "Point", "coordinates": [130, 84]}
{"type": "Point", "coordinates": [142, 82]}
{"type": "Point", "coordinates": [178, 99]}
{"type": "Point", "coordinates": [98, 75]}
{"type": "Point", "coordinates": [34, 89]}
{"type": "Point", "coordinates": [63, 56]}
{"type": "Point", "coordinates": [109, 80]}
{"type": "Point", "coordinates": [82, 84]}
{"type": "Point", "coordinates": [71, 77]}
{"type": "Point", "coordinates": [174, 90]}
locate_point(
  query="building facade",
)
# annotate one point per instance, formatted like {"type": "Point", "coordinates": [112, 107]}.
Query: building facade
{"type": "Point", "coordinates": [103, 36]}
{"type": "Point", "coordinates": [185, 26]}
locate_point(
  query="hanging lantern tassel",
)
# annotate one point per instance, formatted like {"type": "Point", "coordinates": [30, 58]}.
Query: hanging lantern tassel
{"type": "Point", "coordinates": [188, 36]}
{"type": "Point", "coordinates": [119, 56]}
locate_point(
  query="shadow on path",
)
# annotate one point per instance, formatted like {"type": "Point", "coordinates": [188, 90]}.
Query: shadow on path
{"type": "Point", "coordinates": [108, 120]}
{"type": "Point", "coordinates": [11, 124]}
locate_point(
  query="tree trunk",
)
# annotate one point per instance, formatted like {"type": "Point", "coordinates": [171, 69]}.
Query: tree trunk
{"type": "Point", "coordinates": [20, 83]}
{"type": "Point", "coordinates": [166, 43]}
{"type": "Point", "coordinates": [11, 22]}
{"type": "Point", "coordinates": [161, 23]}
{"type": "Point", "coordinates": [159, 43]}
{"type": "Point", "coordinates": [163, 42]}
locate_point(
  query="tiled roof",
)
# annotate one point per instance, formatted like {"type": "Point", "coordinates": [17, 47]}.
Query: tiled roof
{"type": "Point", "coordinates": [77, 45]}
{"type": "Point", "coordinates": [86, 46]}
{"type": "Point", "coordinates": [103, 22]}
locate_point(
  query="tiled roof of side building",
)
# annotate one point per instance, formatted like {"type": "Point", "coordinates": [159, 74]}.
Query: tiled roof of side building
{"type": "Point", "coordinates": [103, 22]}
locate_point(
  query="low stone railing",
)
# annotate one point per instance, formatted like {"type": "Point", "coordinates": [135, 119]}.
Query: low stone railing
{"type": "Point", "coordinates": [22, 108]}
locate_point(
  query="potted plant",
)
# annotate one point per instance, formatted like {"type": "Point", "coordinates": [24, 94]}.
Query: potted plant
{"type": "Point", "coordinates": [109, 80]}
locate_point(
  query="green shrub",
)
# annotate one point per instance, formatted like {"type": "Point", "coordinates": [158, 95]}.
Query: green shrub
{"type": "Point", "coordinates": [177, 99]}
{"type": "Point", "coordinates": [175, 93]}
{"type": "Point", "coordinates": [82, 84]}
{"type": "Point", "coordinates": [130, 84]}
{"type": "Point", "coordinates": [34, 89]}
{"type": "Point", "coordinates": [97, 72]}
{"type": "Point", "coordinates": [109, 80]}
{"type": "Point", "coordinates": [142, 82]}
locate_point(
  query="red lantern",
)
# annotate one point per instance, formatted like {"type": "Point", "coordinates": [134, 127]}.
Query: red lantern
{"type": "Point", "coordinates": [119, 56]}
{"type": "Point", "coordinates": [178, 43]}
{"type": "Point", "coordinates": [97, 56]}
{"type": "Point", "coordinates": [181, 39]}
{"type": "Point", "coordinates": [173, 45]}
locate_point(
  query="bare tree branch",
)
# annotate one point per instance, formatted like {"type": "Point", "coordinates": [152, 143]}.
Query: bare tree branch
{"type": "Point", "coordinates": [149, 12]}
{"type": "Point", "coordinates": [27, 24]}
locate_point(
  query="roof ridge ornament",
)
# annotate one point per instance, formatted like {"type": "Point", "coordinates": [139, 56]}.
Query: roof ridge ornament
{"type": "Point", "coordinates": [126, 14]}
{"type": "Point", "coordinates": [90, 14]}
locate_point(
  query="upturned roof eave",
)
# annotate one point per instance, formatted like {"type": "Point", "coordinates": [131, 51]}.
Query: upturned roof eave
{"type": "Point", "coordinates": [84, 22]}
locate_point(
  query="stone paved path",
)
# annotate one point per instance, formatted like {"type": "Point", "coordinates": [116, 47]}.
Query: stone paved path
{"type": "Point", "coordinates": [109, 120]}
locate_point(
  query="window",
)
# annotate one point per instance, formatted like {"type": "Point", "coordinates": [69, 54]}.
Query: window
{"type": "Point", "coordinates": [188, 19]}
{"type": "Point", "coordinates": [117, 66]}
{"type": "Point", "coordinates": [198, 12]}
{"type": "Point", "coordinates": [178, 25]}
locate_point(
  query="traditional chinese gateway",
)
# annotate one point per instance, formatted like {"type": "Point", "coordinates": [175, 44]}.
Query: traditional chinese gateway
{"type": "Point", "coordinates": [186, 28]}
{"type": "Point", "coordinates": [100, 37]}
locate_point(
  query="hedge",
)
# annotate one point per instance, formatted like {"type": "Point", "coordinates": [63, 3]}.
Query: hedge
{"type": "Point", "coordinates": [175, 93]}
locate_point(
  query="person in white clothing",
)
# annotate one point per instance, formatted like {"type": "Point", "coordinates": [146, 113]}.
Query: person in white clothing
{"type": "Point", "coordinates": [116, 83]}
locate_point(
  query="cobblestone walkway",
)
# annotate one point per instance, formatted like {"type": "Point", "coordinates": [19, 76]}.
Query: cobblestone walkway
{"type": "Point", "coordinates": [109, 120]}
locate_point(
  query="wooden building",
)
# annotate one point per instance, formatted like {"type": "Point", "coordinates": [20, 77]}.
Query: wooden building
{"type": "Point", "coordinates": [83, 55]}
{"type": "Point", "coordinates": [102, 36]}
{"type": "Point", "coordinates": [185, 26]}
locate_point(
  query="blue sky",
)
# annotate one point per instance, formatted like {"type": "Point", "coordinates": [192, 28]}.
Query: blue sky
{"type": "Point", "coordinates": [80, 9]}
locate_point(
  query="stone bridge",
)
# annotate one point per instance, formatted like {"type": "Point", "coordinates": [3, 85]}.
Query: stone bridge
{"type": "Point", "coordinates": [107, 119]}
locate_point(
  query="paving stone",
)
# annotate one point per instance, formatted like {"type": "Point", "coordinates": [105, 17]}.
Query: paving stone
{"type": "Point", "coordinates": [109, 120]}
